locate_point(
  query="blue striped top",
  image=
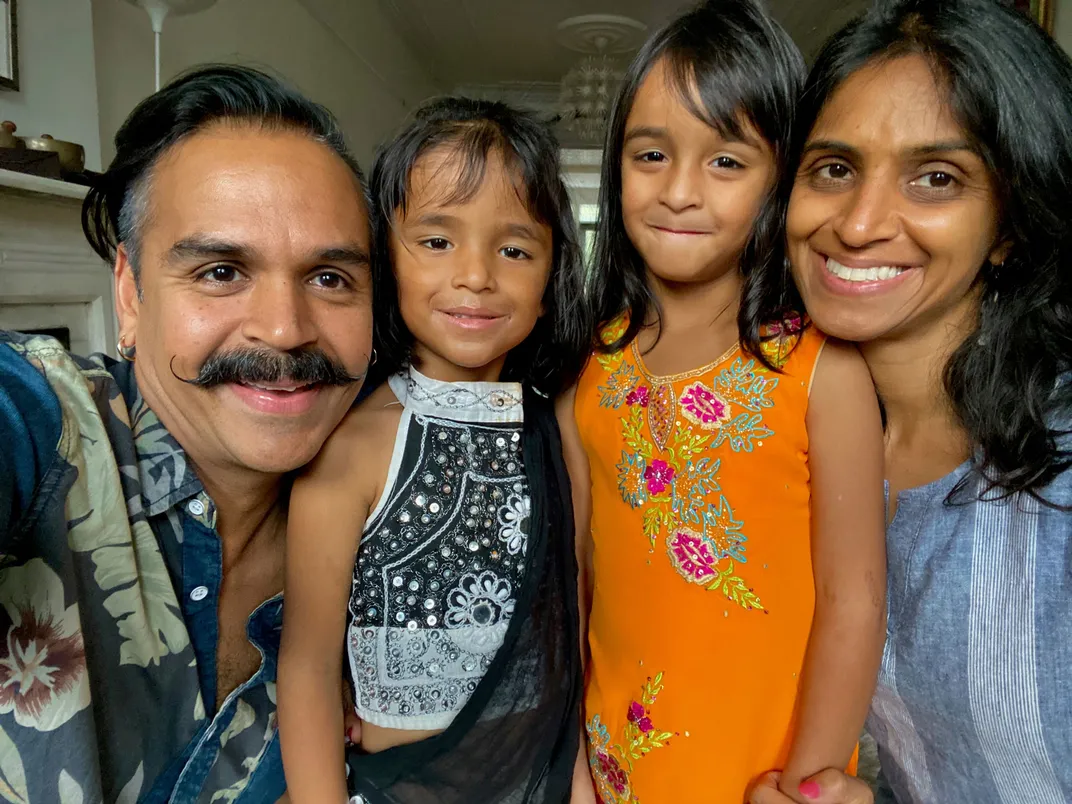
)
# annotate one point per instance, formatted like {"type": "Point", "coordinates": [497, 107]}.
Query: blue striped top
{"type": "Point", "coordinates": [974, 700]}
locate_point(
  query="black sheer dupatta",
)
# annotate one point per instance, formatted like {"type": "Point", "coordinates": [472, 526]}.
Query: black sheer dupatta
{"type": "Point", "coordinates": [516, 740]}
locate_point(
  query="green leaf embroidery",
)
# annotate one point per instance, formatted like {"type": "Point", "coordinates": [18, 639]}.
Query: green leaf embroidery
{"type": "Point", "coordinates": [734, 588]}
{"type": "Point", "coordinates": [633, 433]}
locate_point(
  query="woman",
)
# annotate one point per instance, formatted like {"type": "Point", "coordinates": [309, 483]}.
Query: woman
{"type": "Point", "coordinates": [929, 223]}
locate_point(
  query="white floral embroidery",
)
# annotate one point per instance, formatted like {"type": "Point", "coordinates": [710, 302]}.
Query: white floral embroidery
{"type": "Point", "coordinates": [479, 600]}
{"type": "Point", "coordinates": [42, 658]}
{"type": "Point", "coordinates": [513, 523]}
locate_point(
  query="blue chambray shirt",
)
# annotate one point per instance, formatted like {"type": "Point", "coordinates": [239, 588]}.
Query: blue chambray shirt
{"type": "Point", "coordinates": [110, 574]}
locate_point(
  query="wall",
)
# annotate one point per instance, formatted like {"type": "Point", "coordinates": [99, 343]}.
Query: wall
{"type": "Point", "coordinates": [347, 58]}
{"type": "Point", "coordinates": [57, 83]}
{"type": "Point", "coordinates": [1062, 24]}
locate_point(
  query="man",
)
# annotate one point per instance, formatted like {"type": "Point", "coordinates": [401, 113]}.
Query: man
{"type": "Point", "coordinates": [143, 503]}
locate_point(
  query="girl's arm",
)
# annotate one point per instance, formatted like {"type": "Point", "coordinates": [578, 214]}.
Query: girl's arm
{"type": "Point", "coordinates": [849, 561]}
{"type": "Point", "coordinates": [327, 512]}
{"type": "Point", "coordinates": [576, 461]}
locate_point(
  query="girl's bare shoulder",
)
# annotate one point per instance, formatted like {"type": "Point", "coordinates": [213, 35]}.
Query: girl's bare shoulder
{"type": "Point", "coordinates": [362, 443]}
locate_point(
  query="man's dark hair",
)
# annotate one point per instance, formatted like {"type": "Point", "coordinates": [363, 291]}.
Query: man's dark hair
{"type": "Point", "coordinates": [117, 205]}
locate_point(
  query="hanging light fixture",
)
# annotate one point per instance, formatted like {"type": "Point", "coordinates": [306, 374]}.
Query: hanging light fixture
{"type": "Point", "coordinates": [588, 88]}
{"type": "Point", "coordinates": [158, 10]}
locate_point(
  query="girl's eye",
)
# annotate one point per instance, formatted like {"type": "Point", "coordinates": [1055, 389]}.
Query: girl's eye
{"type": "Point", "coordinates": [513, 253]}
{"type": "Point", "coordinates": [651, 157]}
{"type": "Point", "coordinates": [727, 162]}
{"type": "Point", "coordinates": [436, 243]}
{"type": "Point", "coordinates": [221, 274]}
{"type": "Point", "coordinates": [329, 280]}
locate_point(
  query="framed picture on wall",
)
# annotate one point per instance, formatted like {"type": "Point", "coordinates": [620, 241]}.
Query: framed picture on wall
{"type": "Point", "coordinates": [1041, 11]}
{"type": "Point", "coordinates": [9, 46]}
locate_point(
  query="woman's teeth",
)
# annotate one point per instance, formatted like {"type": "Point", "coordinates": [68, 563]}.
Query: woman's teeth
{"type": "Point", "coordinates": [862, 274]}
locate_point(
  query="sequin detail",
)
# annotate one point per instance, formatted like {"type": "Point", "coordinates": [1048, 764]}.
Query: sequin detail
{"type": "Point", "coordinates": [439, 566]}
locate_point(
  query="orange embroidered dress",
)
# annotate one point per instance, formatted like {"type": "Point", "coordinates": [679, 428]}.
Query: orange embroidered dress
{"type": "Point", "coordinates": [703, 588]}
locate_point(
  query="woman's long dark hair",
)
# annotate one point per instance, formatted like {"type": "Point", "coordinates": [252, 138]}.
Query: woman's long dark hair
{"type": "Point", "coordinates": [744, 67]}
{"type": "Point", "coordinates": [551, 357]}
{"type": "Point", "coordinates": [1010, 87]}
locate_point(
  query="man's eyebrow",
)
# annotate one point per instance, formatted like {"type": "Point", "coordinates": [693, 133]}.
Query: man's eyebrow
{"type": "Point", "coordinates": [354, 254]}
{"type": "Point", "coordinates": [198, 247]}
{"type": "Point", "coordinates": [209, 248]}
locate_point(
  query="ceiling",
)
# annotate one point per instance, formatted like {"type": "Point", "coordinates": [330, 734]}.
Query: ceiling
{"type": "Point", "coordinates": [486, 42]}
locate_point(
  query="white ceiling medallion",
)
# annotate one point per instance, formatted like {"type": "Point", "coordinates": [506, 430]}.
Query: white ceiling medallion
{"type": "Point", "coordinates": [588, 89]}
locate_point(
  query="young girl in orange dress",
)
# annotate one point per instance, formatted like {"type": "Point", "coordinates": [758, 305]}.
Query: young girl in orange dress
{"type": "Point", "coordinates": [727, 455]}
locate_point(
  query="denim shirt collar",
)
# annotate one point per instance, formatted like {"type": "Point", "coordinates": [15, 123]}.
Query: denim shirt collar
{"type": "Point", "coordinates": [167, 478]}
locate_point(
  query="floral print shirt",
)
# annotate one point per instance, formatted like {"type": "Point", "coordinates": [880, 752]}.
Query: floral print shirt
{"type": "Point", "coordinates": [110, 572]}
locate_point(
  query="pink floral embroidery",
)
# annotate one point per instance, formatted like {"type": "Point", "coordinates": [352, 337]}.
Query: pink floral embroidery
{"type": "Point", "coordinates": [611, 763]}
{"type": "Point", "coordinates": [659, 475]}
{"type": "Point", "coordinates": [703, 407]}
{"type": "Point", "coordinates": [638, 396]}
{"type": "Point", "coordinates": [638, 715]}
{"type": "Point", "coordinates": [613, 772]}
{"type": "Point", "coordinates": [693, 556]}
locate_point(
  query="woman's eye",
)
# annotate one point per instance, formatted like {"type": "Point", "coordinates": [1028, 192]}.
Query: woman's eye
{"type": "Point", "coordinates": [727, 162]}
{"type": "Point", "coordinates": [329, 280]}
{"type": "Point", "coordinates": [436, 243]}
{"type": "Point", "coordinates": [651, 157]}
{"type": "Point", "coordinates": [936, 180]}
{"type": "Point", "coordinates": [834, 171]}
{"type": "Point", "coordinates": [221, 274]}
{"type": "Point", "coordinates": [513, 253]}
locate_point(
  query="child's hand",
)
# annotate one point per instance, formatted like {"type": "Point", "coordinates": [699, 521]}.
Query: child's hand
{"type": "Point", "coordinates": [826, 787]}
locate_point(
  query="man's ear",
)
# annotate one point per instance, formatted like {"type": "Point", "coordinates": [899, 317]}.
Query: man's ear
{"type": "Point", "coordinates": [127, 297]}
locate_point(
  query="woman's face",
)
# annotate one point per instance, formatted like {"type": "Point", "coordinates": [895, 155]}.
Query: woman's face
{"type": "Point", "coordinates": [892, 214]}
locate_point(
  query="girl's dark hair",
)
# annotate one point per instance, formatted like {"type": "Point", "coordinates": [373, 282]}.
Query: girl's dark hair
{"type": "Point", "coordinates": [117, 205]}
{"type": "Point", "coordinates": [1009, 86]}
{"type": "Point", "coordinates": [550, 358]}
{"type": "Point", "coordinates": [744, 68]}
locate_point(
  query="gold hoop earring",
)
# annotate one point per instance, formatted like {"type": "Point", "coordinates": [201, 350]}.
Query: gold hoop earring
{"type": "Point", "coordinates": [125, 352]}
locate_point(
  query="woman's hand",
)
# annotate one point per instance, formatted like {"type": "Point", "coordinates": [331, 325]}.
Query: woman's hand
{"type": "Point", "coordinates": [826, 787]}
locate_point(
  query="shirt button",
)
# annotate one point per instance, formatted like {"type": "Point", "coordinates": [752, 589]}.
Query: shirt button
{"type": "Point", "coordinates": [196, 507]}
{"type": "Point", "coordinates": [198, 593]}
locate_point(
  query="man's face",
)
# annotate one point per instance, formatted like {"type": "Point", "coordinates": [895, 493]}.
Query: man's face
{"type": "Point", "coordinates": [254, 245]}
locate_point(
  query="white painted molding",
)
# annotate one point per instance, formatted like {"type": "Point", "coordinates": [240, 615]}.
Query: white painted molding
{"type": "Point", "coordinates": [49, 276]}
{"type": "Point", "coordinates": [42, 186]}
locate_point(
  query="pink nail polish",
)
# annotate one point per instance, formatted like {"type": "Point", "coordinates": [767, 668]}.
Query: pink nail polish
{"type": "Point", "coordinates": [810, 789]}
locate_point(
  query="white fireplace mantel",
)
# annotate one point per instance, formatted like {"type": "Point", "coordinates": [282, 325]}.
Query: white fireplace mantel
{"type": "Point", "coordinates": [49, 276]}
